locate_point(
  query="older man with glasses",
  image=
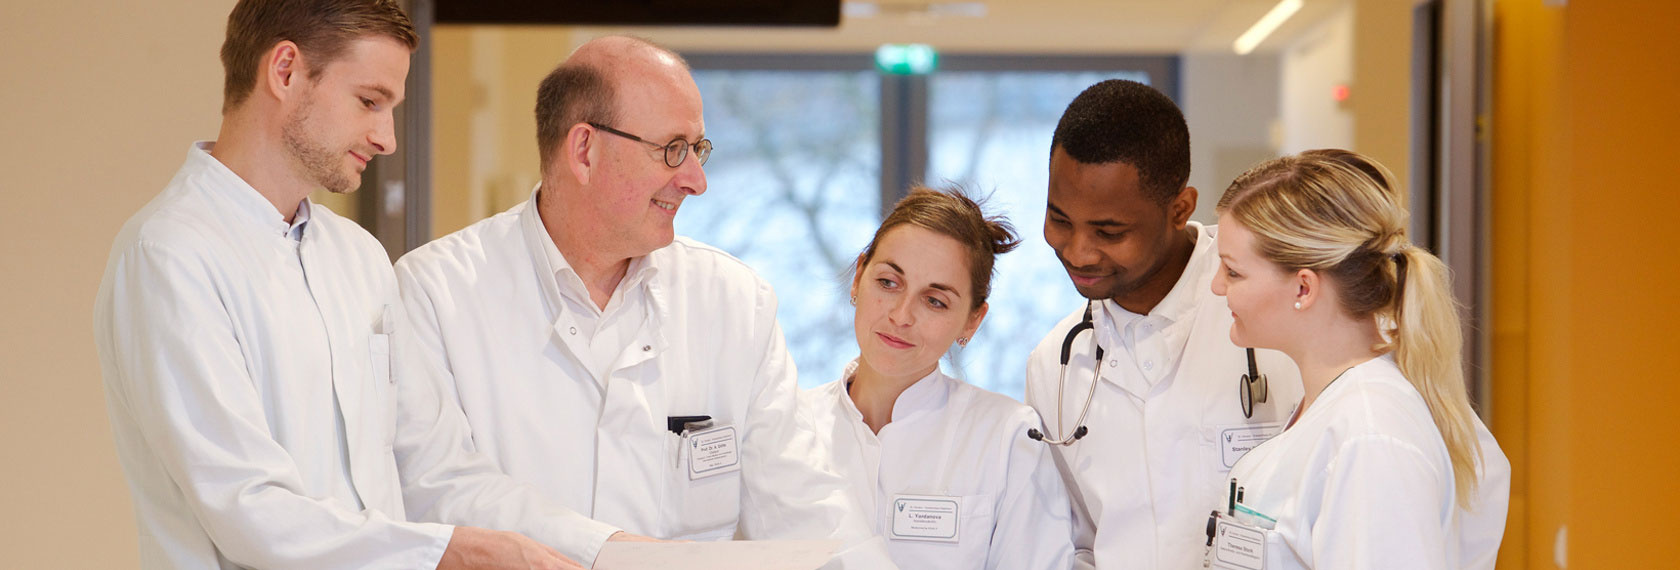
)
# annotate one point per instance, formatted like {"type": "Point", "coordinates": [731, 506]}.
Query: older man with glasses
{"type": "Point", "coordinates": [632, 375]}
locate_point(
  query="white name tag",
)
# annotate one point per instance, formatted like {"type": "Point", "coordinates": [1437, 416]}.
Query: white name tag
{"type": "Point", "coordinates": [1237, 546]}
{"type": "Point", "coordinates": [1236, 441]}
{"type": "Point", "coordinates": [713, 451]}
{"type": "Point", "coordinates": [925, 517]}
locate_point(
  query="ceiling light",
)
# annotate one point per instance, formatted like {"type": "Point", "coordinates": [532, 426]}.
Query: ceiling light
{"type": "Point", "coordinates": [913, 9]}
{"type": "Point", "coordinates": [1268, 23]}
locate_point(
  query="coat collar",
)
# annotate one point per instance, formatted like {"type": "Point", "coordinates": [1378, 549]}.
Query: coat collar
{"type": "Point", "coordinates": [930, 393]}
{"type": "Point", "coordinates": [1181, 302]}
{"type": "Point", "coordinates": [559, 278]}
{"type": "Point", "coordinates": [247, 203]}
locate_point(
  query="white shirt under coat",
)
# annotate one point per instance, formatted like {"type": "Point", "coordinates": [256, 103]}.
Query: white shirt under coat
{"type": "Point", "coordinates": [1363, 480]}
{"type": "Point", "coordinates": [265, 412]}
{"type": "Point", "coordinates": [574, 399]}
{"type": "Point", "coordinates": [1165, 422]}
{"type": "Point", "coordinates": [950, 439]}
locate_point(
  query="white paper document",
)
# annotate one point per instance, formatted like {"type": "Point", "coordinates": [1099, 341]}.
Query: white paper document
{"type": "Point", "coordinates": [722, 555]}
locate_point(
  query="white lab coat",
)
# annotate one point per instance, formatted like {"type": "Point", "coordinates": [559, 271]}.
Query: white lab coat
{"type": "Point", "coordinates": [490, 312]}
{"type": "Point", "coordinates": [1363, 480]}
{"type": "Point", "coordinates": [231, 353]}
{"type": "Point", "coordinates": [1165, 424]}
{"type": "Point", "coordinates": [950, 439]}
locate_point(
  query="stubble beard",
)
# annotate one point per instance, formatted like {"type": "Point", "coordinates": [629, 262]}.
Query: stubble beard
{"type": "Point", "coordinates": [321, 165]}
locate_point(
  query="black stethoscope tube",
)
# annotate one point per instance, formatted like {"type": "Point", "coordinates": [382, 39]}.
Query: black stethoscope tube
{"type": "Point", "coordinates": [1251, 389]}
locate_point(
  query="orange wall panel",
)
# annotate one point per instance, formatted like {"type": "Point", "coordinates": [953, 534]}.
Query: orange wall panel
{"type": "Point", "coordinates": [1585, 365]}
{"type": "Point", "coordinates": [1622, 61]}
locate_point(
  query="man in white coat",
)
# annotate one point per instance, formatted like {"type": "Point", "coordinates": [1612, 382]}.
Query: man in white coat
{"type": "Point", "coordinates": [1166, 419]}
{"type": "Point", "coordinates": [253, 345]}
{"type": "Point", "coordinates": [634, 376]}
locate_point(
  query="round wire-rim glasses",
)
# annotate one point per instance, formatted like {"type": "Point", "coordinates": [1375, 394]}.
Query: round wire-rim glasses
{"type": "Point", "coordinates": [676, 151]}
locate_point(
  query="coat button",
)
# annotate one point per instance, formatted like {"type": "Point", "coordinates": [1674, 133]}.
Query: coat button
{"type": "Point", "coordinates": [573, 330]}
{"type": "Point", "coordinates": [1113, 363]}
{"type": "Point", "coordinates": [1148, 365]}
{"type": "Point", "coordinates": [646, 348]}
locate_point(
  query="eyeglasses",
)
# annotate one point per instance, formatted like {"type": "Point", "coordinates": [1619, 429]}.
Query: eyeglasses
{"type": "Point", "coordinates": [675, 151]}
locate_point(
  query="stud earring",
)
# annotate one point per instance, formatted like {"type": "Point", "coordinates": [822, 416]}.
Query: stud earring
{"type": "Point", "coordinates": [854, 300]}
{"type": "Point", "coordinates": [1297, 305]}
{"type": "Point", "coordinates": [962, 341]}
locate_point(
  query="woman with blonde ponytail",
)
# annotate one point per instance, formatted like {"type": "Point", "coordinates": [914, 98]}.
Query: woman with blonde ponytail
{"type": "Point", "coordinates": [1383, 463]}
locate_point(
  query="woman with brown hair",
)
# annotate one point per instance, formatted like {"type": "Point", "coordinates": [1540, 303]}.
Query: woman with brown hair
{"type": "Point", "coordinates": [944, 469]}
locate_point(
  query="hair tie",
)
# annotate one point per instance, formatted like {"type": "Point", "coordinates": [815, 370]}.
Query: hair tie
{"type": "Point", "coordinates": [1399, 257]}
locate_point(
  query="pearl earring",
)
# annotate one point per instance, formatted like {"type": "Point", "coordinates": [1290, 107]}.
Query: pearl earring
{"type": "Point", "coordinates": [1297, 305]}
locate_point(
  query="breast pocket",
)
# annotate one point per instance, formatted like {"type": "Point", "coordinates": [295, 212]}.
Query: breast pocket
{"type": "Point", "coordinates": [979, 517]}
{"type": "Point", "coordinates": [379, 357]}
{"type": "Point", "coordinates": [920, 538]}
{"type": "Point", "coordinates": [1279, 555]}
{"type": "Point", "coordinates": [1235, 548]}
{"type": "Point", "coordinates": [1223, 445]}
{"type": "Point", "coordinates": [384, 381]}
{"type": "Point", "coordinates": [703, 508]}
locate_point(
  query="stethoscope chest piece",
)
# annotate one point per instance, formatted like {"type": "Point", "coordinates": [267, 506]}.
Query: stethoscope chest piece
{"type": "Point", "coordinates": [1251, 390]}
{"type": "Point", "coordinates": [1253, 387]}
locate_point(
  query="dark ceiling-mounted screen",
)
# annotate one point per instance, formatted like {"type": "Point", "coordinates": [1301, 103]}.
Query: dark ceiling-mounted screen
{"type": "Point", "coordinates": [642, 12]}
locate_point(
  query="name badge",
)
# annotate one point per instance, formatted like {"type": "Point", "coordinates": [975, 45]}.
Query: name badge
{"type": "Point", "coordinates": [1236, 441]}
{"type": "Point", "coordinates": [713, 451]}
{"type": "Point", "coordinates": [1237, 546]}
{"type": "Point", "coordinates": [925, 517]}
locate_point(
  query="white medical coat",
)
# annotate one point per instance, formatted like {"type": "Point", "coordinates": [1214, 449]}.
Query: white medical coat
{"type": "Point", "coordinates": [1165, 424]}
{"type": "Point", "coordinates": [950, 439]}
{"type": "Point", "coordinates": [1363, 480]}
{"type": "Point", "coordinates": [224, 346]}
{"type": "Point", "coordinates": [490, 312]}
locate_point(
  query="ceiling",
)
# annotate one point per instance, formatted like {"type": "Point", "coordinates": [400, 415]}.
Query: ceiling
{"type": "Point", "coordinates": [1013, 26]}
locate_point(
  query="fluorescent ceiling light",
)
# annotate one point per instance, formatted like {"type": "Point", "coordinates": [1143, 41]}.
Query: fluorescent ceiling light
{"type": "Point", "coordinates": [913, 8]}
{"type": "Point", "coordinates": [1268, 23]}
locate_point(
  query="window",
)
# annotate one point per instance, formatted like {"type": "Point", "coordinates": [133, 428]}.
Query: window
{"type": "Point", "coordinates": [796, 187]}
{"type": "Point", "coordinates": [792, 191]}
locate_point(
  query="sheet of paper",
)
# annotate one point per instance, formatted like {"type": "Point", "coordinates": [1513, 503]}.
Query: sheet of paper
{"type": "Point", "coordinates": [724, 555]}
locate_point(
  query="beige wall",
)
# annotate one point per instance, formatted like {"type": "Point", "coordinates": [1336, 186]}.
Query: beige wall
{"type": "Point", "coordinates": [1381, 83]}
{"type": "Point", "coordinates": [1231, 104]}
{"type": "Point", "coordinates": [1366, 46]}
{"type": "Point", "coordinates": [100, 102]}
{"type": "Point", "coordinates": [484, 145]}
{"type": "Point", "coordinates": [1312, 66]}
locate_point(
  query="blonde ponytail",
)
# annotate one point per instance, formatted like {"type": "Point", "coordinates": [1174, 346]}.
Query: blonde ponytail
{"type": "Point", "coordinates": [1338, 213]}
{"type": "Point", "coordinates": [1429, 347]}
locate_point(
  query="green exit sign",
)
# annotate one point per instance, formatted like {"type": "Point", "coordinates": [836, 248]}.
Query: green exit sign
{"type": "Point", "coordinates": [906, 59]}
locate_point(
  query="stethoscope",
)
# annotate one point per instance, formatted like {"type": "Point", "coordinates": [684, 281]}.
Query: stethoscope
{"type": "Point", "coordinates": [1251, 388]}
{"type": "Point", "coordinates": [1085, 324]}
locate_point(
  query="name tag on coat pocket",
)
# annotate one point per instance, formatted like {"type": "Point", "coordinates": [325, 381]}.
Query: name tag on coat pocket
{"type": "Point", "coordinates": [1235, 441]}
{"type": "Point", "coordinates": [713, 452]}
{"type": "Point", "coordinates": [925, 517]}
{"type": "Point", "coordinates": [1237, 546]}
